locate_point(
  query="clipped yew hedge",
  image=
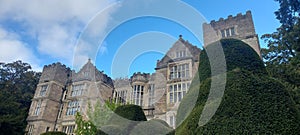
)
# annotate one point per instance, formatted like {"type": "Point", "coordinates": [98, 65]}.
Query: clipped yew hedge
{"type": "Point", "coordinates": [253, 102]}
{"type": "Point", "coordinates": [151, 127]}
{"type": "Point", "coordinates": [237, 55]}
{"type": "Point", "coordinates": [131, 112]}
{"type": "Point", "coordinates": [125, 118]}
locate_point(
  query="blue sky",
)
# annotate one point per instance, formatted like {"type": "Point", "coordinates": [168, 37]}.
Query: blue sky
{"type": "Point", "coordinates": [42, 32]}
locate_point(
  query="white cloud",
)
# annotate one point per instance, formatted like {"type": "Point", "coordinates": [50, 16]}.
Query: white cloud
{"type": "Point", "coordinates": [56, 41]}
{"type": "Point", "coordinates": [103, 49]}
{"type": "Point", "coordinates": [12, 49]}
{"type": "Point", "coordinates": [54, 24]}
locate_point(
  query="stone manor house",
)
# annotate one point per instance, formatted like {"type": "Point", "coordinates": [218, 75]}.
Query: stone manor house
{"type": "Point", "coordinates": [61, 92]}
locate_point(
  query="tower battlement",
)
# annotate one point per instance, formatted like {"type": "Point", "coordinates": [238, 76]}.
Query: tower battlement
{"type": "Point", "coordinates": [55, 72]}
{"type": "Point", "coordinates": [143, 77]}
{"type": "Point", "coordinates": [237, 17]}
{"type": "Point", "coordinates": [239, 27]}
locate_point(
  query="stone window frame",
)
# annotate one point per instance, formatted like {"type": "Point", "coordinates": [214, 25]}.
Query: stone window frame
{"type": "Point", "coordinates": [171, 118]}
{"type": "Point", "coordinates": [176, 95]}
{"type": "Point", "coordinates": [73, 107]}
{"type": "Point", "coordinates": [38, 107]}
{"type": "Point", "coordinates": [30, 129]}
{"type": "Point", "coordinates": [43, 90]}
{"type": "Point", "coordinates": [181, 54]}
{"type": "Point", "coordinates": [77, 89]}
{"type": "Point", "coordinates": [228, 32]}
{"type": "Point", "coordinates": [120, 96]}
{"type": "Point", "coordinates": [138, 94]}
{"type": "Point", "coordinates": [179, 71]}
{"type": "Point", "coordinates": [68, 129]}
{"type": "Point", "coordinates": [151, 95]}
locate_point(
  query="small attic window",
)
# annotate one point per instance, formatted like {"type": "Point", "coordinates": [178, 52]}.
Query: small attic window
{"type": "Point", "coordinates": [86, 74]}
{"type": "Point", "coordinates": [228, 32]}
{"type": "Point", "coordinates": [180, 54]}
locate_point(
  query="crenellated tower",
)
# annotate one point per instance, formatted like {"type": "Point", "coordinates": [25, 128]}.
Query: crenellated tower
{"type": "Point", "coordinates": [239, 27]}
{"type": "Point", "coordinates": [46, 101]}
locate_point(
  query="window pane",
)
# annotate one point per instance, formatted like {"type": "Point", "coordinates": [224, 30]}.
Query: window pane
{"type": "Point", "coordinates": [232, 31]}
{"type": "Point", "coordinates": [43, 90]}
{"type": "Point", "coordinates": [171, 88]}
{"type": "Point", "coordinates": [223, 33]}
{"type": "Point", "coordinates": [183, 86]}
{"type": "Point", "coordinates": [171, 120]}
{"type": "Point", "coordinates": [175, 88]}
{"type": "Point", "coordinates": [227, 33]}
{"type": "Point", "coordinates": [77, 90]}
{"type": "Point", "coordinates": [175, 97]}
{"type": "Point", "coordinates": [179, 96]}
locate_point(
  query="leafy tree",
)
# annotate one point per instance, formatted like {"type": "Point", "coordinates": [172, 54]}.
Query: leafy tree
{"type": "Point", "coordinates": [17, 86]}
{"type": "Point", "coordinates": [112, 105]}
{"type": "Point", "coordinates": [84, 127]}
{"type": "Point", "coordinates": [282, 57]}
{"type": "Point", "coordinates": [285, 42]}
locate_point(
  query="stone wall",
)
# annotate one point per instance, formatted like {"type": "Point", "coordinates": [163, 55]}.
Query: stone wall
{"type": "Point", "coordinates": [55, 72]}
{"type": "Point", "coordinates": [243, 30]}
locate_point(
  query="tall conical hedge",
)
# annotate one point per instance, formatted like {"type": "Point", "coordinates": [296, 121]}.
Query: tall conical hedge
{"type": "Point", "coordinates": [253, 102]}
{"type": "Point", "coordinates": [237, 55]}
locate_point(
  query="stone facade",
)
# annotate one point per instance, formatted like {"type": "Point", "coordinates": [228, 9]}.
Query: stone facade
{"type": "Point", "coordinates": [240, 27]}
{"type": "Point", "coordinates": [61, 92]}
{"type": "Point", "coordinates": [46, 102]}
{"type": "Point", "coordinates": [160, 93]}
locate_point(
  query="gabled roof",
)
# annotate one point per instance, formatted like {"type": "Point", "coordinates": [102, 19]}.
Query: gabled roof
{"type": "Point", "coordinates": [89, 72]}
{"type": "Point", "coordinates": [193, 53]}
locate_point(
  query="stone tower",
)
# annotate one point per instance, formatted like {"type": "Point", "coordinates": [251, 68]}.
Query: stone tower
{"type": "Point", "coordinates": [46, 101]}
{"type": "Point", "coordinates": [87, 87]}
{"type": "Point", "coordinates": [239, 27]}
{"type": "Point", "coordinates": [139, 83]}
{"type": "Point", "coordinates": [61, 93]}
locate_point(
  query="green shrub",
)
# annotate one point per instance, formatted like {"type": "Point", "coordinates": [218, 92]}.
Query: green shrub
{"type": "Point", "coordinates": [152, 127]}
{"type": "Point", "coordinates": [131, 112]}
{"type": "Point", "coordinates": [126, 117]}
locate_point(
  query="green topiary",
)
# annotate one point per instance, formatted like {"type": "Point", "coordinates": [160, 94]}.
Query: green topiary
{"type": "Point", "coordinates": [253, 102]}
{"type": "Point", "coordinates": [251, 105]}
{"type": "Point", "coordinates": [152, 127]}
{"type": "Point", "coordinates": [237, 55]}
{"type": "Point", "coordinates": [131, 112]}
{"type": "Point", "coordinates": [126, 117]}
